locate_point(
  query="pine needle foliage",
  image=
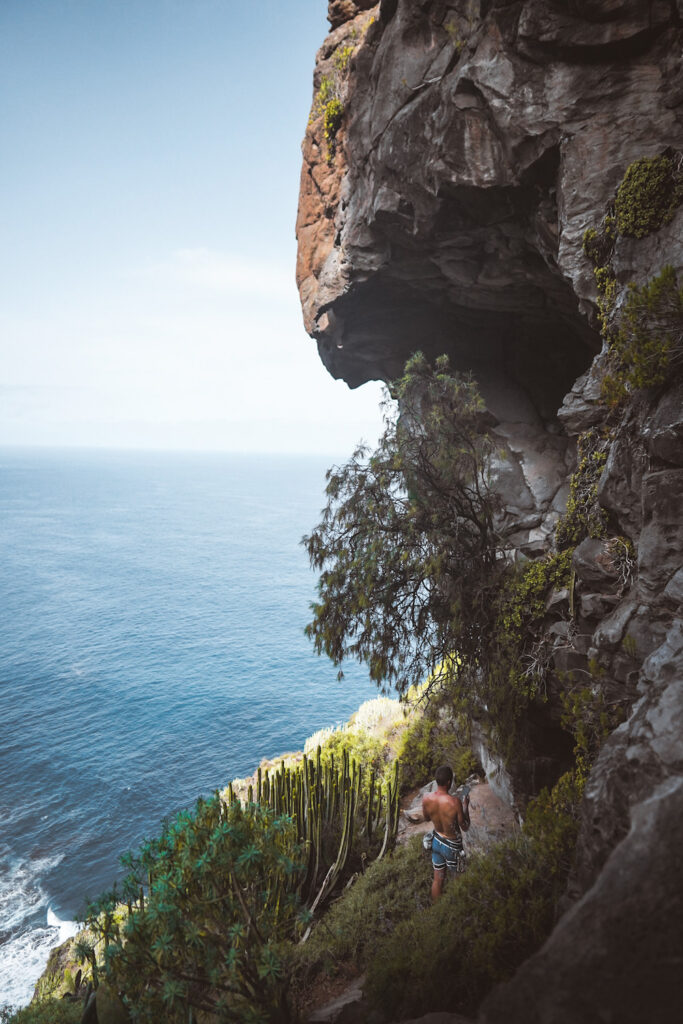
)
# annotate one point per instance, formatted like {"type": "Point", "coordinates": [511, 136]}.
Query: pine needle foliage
{"type": "Point", "coordinates": [407, 547]}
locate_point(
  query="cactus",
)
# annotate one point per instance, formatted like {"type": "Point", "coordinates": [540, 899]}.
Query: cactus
{"type": "Point", "coordinates": [341, 814]}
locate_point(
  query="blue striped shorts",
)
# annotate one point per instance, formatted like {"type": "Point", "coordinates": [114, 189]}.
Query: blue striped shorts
{"type": "Point", "coordinates": [445, 852]}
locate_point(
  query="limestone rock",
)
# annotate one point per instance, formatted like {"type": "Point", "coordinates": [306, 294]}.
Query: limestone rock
{"type": "Point", "coordinates": [660, 546]}
{"type": "Point", "coordinates": [594, 563]}
{"type": "Point", "coordinates": [340, 11]}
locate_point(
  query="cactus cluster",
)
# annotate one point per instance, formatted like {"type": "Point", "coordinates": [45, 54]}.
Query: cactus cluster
{"type": "Point", "coordinates": [207, 913]}
{"type": "Point", "coordinates": [341, 814]}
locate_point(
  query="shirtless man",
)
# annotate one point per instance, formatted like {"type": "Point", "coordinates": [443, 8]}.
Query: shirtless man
{"type": "Point", "coordinates": [449, 817]}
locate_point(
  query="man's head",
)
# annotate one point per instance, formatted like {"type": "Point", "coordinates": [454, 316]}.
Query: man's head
{"type": "Point", "coordinates": [444, 776]}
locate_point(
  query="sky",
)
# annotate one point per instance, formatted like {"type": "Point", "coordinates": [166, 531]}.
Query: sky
{"type": "Point", "coordinates": [149, 180]}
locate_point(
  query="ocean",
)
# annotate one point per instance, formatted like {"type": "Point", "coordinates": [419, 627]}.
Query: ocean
{"type": "Point", "coordinates": [151, 649]}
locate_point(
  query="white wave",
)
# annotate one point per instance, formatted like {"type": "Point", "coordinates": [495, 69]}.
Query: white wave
{"type": "Point", "coordinates": [26, 933]}
{"type": "Point", "coordinates": [67, 929]}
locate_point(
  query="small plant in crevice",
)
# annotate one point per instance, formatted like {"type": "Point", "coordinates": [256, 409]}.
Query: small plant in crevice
{"type": "Point", "coordinates": [645, 343]}
{"type": "Point", "coordinates": [328, 104]}
{"type": "Point", "coordinates": [624, 559]}
{"type": "Point", "coordinates": [332, 119]}
{"type": "Point", "coordinates": [583, 516]}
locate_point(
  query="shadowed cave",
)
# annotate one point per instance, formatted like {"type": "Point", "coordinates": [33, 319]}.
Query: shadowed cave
{"type": "Point", "coordinates": [482, 287]}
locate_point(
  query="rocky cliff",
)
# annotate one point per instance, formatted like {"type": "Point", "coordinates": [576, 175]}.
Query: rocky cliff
{"type": "Point", "coordinates": [501, 181]}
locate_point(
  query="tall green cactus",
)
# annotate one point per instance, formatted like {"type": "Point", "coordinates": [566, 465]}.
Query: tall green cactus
{"type": "Point", "coordinates": [342, 815]}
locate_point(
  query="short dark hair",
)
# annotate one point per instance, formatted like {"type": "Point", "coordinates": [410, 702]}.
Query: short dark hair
{"type": "Point", "coordinates": [444, 776]}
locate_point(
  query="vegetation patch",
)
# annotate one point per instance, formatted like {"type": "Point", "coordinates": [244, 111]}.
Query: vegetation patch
{"type": "Point", "coordinates": [449, 955]}
{"type": "Point", "coordinates": [328, 104]}
{"type": "Point", "coordinates": [584, 516]}
{"type": "Point", "coordinates": [389, 892]}
{"type": "Point", "coordinates": [590, 719]}
{"type": "Point", "coordinates": [439, 736]}
{"type": "Point", "coordinates": [649, 195]}
{"type": "Point", "coordinates": [208, 909]}
{"type": "Point", "coordinates": [645, 345]}
{"type": "Point", "coordinates": [50, 1011]}
{"type": "Point", "coordinates": [407, 547]}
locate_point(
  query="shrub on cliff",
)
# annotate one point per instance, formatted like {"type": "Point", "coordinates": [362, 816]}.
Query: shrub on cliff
{"type": "Point", "coordinates": [649, 195]}
{"type": "Point", "coordinates": [209, 934]}
{"type": "Point", "coordinates": [407, 548]}
{"type": "Point", "coordinates": [51, 1011]}
{"type": "Point", "coordinates": [645, 346]}
{"type": "Point", "coordinates": [390, 891]}
{"type": "Point", "coordinates": [488, 921]}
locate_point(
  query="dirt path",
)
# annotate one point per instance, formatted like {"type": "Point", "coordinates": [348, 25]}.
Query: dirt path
{"type": "Point", "coordinates": [491, 819]}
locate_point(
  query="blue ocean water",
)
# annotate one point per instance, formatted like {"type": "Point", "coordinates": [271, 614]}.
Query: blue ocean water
{"type": "Point", "coordinates": [151, 649]}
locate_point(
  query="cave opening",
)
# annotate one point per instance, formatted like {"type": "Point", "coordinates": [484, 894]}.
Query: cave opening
{"type": "Point", "coordinates": [536, 347]}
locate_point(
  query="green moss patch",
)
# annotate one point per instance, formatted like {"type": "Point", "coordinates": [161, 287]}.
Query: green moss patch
{"type": "Point", "coordinates": [646, 343]}
{"type": "Point", "coordinates": [648, 196]}
{"type": "Point", "coordinates": [583, 516]}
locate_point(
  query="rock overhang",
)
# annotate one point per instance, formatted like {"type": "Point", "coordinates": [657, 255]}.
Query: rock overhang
{"type": "Point", "coordinates": [450, 216]}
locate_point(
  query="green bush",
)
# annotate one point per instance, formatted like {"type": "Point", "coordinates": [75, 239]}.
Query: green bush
{"type": "Point", "coordinates": [584, 516]}
{"type": "Point", "coordinates": [52, 1011]}
{"type": "Point", "coordinates": [448, 956]}
{"type": "Point", "coordinates": [210, 932]}
{"type": "Point", "coordinates": [431, 740]}
{"type": "Point", "coordinates": [521, 611]}
{"type": "Point", "coordinates": [366, 750]}
{"type": "Point", "coordinates": [648, 196]}
{"type": "Point", "coordinates": [646, 346]}
{"type": "Point", "coordinates": [390, 891]}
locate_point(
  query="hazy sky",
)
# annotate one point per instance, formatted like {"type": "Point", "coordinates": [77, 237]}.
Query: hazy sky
{"type": "Point", "coordinates": [148, 189]}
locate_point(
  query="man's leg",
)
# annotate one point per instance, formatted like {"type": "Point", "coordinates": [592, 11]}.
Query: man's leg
{"type": "Point", "coordinates": [437, 883]}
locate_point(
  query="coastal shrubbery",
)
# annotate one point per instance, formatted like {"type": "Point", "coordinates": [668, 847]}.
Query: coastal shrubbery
{"type": "Point", "coordinates": [207, 908]}
{"type": "Point", "coordinates": [206, 915]}
{"type": "Point", "coordinates": [389, 892]}
{"type": "Point", "coordinates": [52, 1011]}
{"type": "Point", "coordinates": [449, 955]}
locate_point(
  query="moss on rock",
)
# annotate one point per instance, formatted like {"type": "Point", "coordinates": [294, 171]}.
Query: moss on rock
{"type": "Point", "coordinates": [648, 196]}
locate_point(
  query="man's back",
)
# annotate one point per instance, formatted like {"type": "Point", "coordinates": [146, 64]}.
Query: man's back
{"type": "Point", "coordinates": [445, 812]}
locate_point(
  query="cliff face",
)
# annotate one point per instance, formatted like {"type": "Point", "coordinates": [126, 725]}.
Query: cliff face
{"type": "Point", "coordinates": [456, 155]}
